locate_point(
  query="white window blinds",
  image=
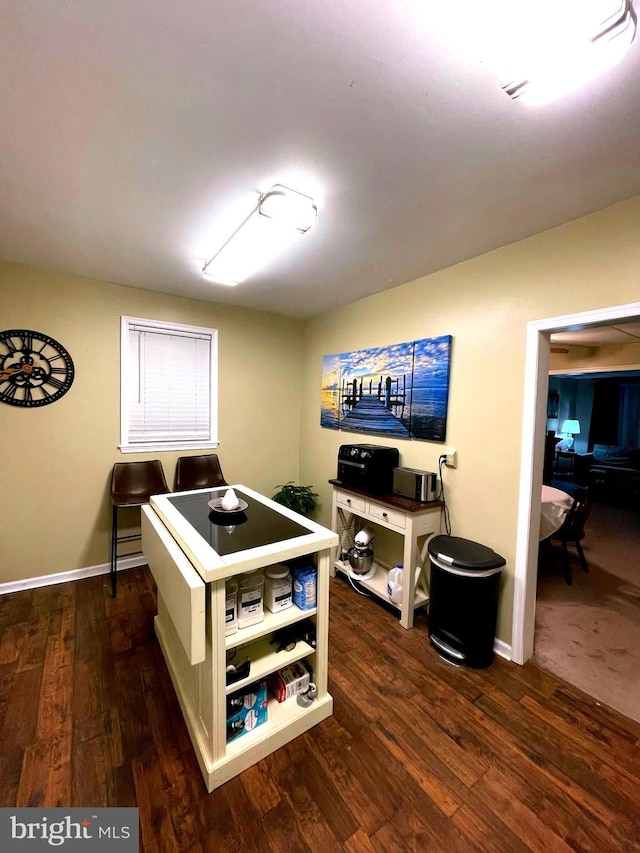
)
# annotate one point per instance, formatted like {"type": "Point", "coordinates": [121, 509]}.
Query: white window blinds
{"type": "Point", "coordinates": [169, 386]}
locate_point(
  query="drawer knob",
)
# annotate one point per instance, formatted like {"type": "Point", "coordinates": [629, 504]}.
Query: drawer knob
{"type": "Point", "coordinates": [384, 514]}
{"type": "Point", "coordinates": [348, 500]}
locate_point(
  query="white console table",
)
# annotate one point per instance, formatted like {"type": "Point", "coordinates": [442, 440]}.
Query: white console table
{"type": "Point", "coordinates": [191, 556]}
{"type": "Point", "coordinates": [414, 520]}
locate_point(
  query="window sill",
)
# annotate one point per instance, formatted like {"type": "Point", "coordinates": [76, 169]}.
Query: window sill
{"type": "Point", "coordinates": [168, 445]}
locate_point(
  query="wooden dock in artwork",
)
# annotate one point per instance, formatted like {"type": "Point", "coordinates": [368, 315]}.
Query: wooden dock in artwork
{"type": "Point", "coordinates": [370, 413]}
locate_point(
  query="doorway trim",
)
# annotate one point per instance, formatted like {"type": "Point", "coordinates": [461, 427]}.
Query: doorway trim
{"type": "Point", "coordinates": [536, 380]}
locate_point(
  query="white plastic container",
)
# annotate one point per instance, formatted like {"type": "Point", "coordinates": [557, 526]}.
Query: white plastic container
{"type": "Point", "coordinates": [395, 584]}
{"type": "Point", "coordinates": [250, 599]}
{"type": "Point", "coordinates": [231, 608]}
{"type": "Point", "coordinates": [278, 590]}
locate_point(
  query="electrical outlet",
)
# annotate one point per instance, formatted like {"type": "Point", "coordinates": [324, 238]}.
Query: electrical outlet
{"type": "Point", "coordinates": [451, 457]}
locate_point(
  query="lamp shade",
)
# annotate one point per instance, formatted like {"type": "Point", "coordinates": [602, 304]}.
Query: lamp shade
{"type": "Point", "coordinates": [571, 427]}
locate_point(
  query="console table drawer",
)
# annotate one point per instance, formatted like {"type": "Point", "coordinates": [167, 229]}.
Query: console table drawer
{"type": "Point", "coordinates": [388, 516]}
{"type": "Point", "coordinates": [351, 502]}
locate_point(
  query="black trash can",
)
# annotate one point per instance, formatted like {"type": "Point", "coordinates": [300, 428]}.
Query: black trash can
{"type": "Point", "coordinates": [463, 605]}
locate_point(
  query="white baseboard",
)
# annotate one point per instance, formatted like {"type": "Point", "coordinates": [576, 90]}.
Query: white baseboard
{"type": "Point", "coordinates": [73, 575]}
{"type": "Point", "coordinates": [501, 648]}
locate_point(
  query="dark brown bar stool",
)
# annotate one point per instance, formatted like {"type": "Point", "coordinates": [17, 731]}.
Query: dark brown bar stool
{"type": "Point", "coordinates": [132, 484]}
{"type": "Point", "coordinates": [198, 472]}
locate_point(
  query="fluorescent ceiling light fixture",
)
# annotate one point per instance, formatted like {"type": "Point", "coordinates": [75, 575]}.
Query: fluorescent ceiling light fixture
{"type": "Point", "coordinates": [279, 217]}
{"type": "Point", "coordinates": [554, 46]}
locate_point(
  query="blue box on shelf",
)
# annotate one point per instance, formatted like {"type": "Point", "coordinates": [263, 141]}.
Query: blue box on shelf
{"type": "Point", "coordinates": [247, 709]}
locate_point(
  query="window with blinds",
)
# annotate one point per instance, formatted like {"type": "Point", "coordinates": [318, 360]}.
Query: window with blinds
{"type": "Point", "coordinates": [168, 386]}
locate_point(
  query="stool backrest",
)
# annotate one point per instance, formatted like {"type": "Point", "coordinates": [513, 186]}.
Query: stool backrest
{"type": "Point", "coordinates": [135, 482]}
{"type": "Point", "coordinates": [198, 472]}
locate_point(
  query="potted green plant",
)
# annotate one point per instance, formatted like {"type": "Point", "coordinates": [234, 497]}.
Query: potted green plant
{"type": "Point", "coordinates": [300, 499]}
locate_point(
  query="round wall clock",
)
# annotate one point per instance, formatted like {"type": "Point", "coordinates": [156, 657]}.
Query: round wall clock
{"type": "Point", "coordinates": [34, 369]}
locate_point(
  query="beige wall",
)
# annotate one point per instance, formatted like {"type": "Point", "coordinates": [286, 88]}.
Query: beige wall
{"type": "Point", "coordinates": [610, 357]}
{"type": "Point", "coordinates": [56, 460]}
{"type": "Point", "coordinates": [485, 303]}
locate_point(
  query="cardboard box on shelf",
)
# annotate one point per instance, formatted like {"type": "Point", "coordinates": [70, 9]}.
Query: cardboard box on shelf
{"type": "Point", "coordinates": [290, 680]}
{"type": "Point", "coordinates": [247, 709]}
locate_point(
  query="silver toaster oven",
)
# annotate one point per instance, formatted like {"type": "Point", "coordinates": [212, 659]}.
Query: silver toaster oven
{"type": "Point", "coordinates": [416, 484]}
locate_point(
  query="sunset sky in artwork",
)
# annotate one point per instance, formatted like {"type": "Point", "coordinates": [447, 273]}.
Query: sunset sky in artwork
{"type": "Point", "coordinates": [427, 363]}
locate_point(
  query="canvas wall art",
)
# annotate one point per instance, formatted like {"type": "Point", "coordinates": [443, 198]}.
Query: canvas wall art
{"type": "Point", "coordinates": [400, 390]}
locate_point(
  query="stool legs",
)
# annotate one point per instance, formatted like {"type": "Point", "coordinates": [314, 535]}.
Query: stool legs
{"type": "Point", "coordinates": [114, 551]}
{"type": "Point", "coordinates": [115, 541]}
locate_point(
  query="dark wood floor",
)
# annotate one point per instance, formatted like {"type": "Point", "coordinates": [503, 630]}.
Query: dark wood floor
{"type": "Point", "coordinates": [419, 755]}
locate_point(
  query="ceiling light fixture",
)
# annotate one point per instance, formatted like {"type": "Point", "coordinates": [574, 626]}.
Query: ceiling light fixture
{"type": "Point", "coordinates": [559, 46]}
{"type": "Point", "coordinates": [280, 214]}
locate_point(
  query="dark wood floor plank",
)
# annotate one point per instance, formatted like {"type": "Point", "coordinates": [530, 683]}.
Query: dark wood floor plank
{"type": "Point", "coordinates": [34, 776]}
{"type": "Point", "coordinates": [128, 690]}
{"type": "Point", "coordinates": [581, 762]}
{"type": "Point", "coordinates": [7, 674]}
{"type": "Point", "coordinates": [333, 749]}
{"type": "Point", "coordinates": [411, 829]}
{"type": "Point", "coordinates": [418, 755]}
{"type": "Point", "coordinates": [21, 714]}
{"type": "Point", "coordinates": [408, 748]}
{"type": "Point", "coordinates": [10, 643]}
{"type": "Point", "coordinates": [260, 789]}
{"type": "Point", "coordinates": [518, 751]}
{"type": "Point", "coordinates": [10, 771]}
{"type": "Point", "coordinates": [578, 771]}
{"type": "Point", "coordinates": [93, 662]}
{"type": "Point", "coordinates": [91, 772]}
{"type": "Point", "coordinates": [456, 746]}
{"type": "Point", "coordinates": [359, 842]}
{"type": "Point", "coordinates": [601, 716]}
{"type": "Point", "coordinates": [33, 641]}
{"type": "Point", "coordinates": [228, 817]}
{"type": "Point", "coordinates": [618, 750]}
{"type": "Point", "coordinates": [486, 832]}
{"type": "Point", "coordinates": [156, 827]}
{"type": "Point", "coordinates": [121, 789]}
{"type": "Point", "coordinates": [518, 816]}
{"type": "Point", "coordinates": [8, 606]}
{"type": "Point", "coordinates": [45, 777]}
{"type": "Point", "coordinates": [322, 814]}
{"type": "Point", "coordinates": [125, 616]}
{"type": "Point", "coordinates": [56, 693]}
{"type": "Point", "coordinates": [281, 832]}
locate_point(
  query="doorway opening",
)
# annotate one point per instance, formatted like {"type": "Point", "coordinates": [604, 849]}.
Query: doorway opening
{"type": "Point", "coordinates": [533, 433]}
{"type": "Point", "coordinates": [587, 618]}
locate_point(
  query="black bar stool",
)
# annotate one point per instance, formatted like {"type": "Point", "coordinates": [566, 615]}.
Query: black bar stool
{"type": "Point", "coordinates": [198, 472]}
{"type": "Point", "coordinates": [132, 484]}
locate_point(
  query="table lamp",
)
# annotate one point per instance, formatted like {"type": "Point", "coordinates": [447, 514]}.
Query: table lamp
{"type": "Point", "coordinates": [571, 428]}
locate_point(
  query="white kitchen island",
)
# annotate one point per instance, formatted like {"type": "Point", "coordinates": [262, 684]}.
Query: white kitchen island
{"type": "Point", "coordinates": [192, 552]}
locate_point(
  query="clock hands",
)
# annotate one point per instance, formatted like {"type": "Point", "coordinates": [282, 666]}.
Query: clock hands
{"type": "Point", "coordinates": [29, 370]}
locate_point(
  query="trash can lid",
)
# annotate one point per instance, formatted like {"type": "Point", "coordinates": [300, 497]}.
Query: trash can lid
{"type": "Point", "coordinates": [464, 553]}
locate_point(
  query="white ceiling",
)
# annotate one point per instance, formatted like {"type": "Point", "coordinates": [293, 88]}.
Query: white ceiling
{"type": "Point", "coordinates": [598, 336]}
{"type": "Point", "coordinates": [131, 129]}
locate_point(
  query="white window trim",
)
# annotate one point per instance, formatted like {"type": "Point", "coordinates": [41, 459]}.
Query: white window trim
{"type": "Point", "coordinates": [126, 378]}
